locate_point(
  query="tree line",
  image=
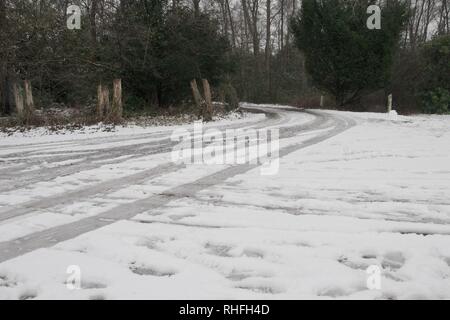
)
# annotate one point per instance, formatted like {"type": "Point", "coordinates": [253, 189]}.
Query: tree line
{"type": "Point", "coordinates": [259, 50]}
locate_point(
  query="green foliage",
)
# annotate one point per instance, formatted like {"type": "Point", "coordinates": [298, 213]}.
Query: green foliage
{"type": "Point", "coordinates": [289, 78]}
{"type": "Point", "coordinates": [229, 96]}
{"type": "Point", "coordinates": [161, 50]}
{"type": "Point", "coordinates": [189, 47]}
{"type": "Point", "coordinates": [435, 85]}
{"type": "Point", "coordinates": [156, 50]}
{"type": "Point", "coordinates": [436, 56]}
{"type": "Point", "coordinates": [343, 56]}
{"type": "Point", "coordinates": [436, 101]}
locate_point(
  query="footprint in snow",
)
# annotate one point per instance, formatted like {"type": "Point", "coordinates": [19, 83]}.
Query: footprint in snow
{"type": "Point", "coordinates": [177, 217]}
{"type": "Point", "coordinates": [28, 295]}
{"type": "Point", "coordinates": [218, 250]}
{"type": "Point", "coordinates": [393, 260]}
{"type": "Point", "coordinates": [353, 264]}
{"type": "Point", "coordinates": [241, 275]}
{"type": "Point", "coordinates": [148, 271]}
{"type": "Point", "coordinates": [150, 243]}
{"type": "Point", "coordinates": [6, 282]}
{"type": "Point", "coordinates": [447, 260]}
{"type": "Point", "coordinates": [253, 253]}
{"type": "Point", "coordinates": [92, 285]}
{"type": "Point", "coordinates": [238, 275]}
{"type": "Point", "coordinates": [266, 289]}
{"type": "Point", "coordinates": [332, 292]}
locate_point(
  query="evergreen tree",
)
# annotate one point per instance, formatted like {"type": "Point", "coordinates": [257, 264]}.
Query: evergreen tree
{"type": "Point", "coordinates": [435, 84]}
{"type": "Point", "coordinates": [343, 56]}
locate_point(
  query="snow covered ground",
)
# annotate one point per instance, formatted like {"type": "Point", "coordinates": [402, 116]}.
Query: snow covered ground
{"type": "Point", "coordinates": [377, 194]}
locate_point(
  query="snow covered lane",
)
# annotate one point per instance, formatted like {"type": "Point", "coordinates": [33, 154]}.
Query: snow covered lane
{"type": "Point", "coordinates": [345, 198]}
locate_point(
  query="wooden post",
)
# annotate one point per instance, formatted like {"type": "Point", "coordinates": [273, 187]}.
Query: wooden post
{"type": "Point", "coordinates": [117, 107]}
{"type": "Point", "coordinates": [203, 104]}
{"type": "Point", "coordinates": [106, 102]}
{"type": "Point", "coordinates": [321, 101]}
{"type": "Point", "coordinates": [389, 105]}
{"type": "Point", "coordinates": [208, 110]}
{"type": "Point", "coordinates": [100, 103]}
{"type": "Point", "coordinates": [18, 99]}
{"type": "Point", "coordinates": [29, 103]}
{"type": "Point", "coordinates": [196, 93]}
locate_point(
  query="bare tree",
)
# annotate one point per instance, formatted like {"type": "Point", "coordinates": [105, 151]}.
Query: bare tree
{"type": "Point", "coordinates": [251, 15]}
{"type": "Point", "coordinates": [268, 39]}
{"type": "Point", "coordinates": [425, 15]}
{"type": "Point", "coordinates": [444, 18]}
{"type": "Point", "coordinates": [230, 17]}
{"type": "Point", "coordinates": [93, 26]}
{"type": "Point", "coordinates": [268, 32]}
{"type": "Point", "coordinates": [5, 101]}
{"type": "Point", "coordinates": [196, 4]}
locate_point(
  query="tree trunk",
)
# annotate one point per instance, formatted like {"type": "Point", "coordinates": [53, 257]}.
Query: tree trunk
{"type": "Point", "coordinates": [100, 103]}
{"type": "Point", "coordinates": [93, 27]}
{"type": "Point", "coordinates": [288, 34]}
{"type": "Point", "coordinates": [251, 20]}
{"type": "Point", "coordinates": [223, 11]}
{"type": "Point", "coordinates": [282, 25]}
{"type": "Point", "coordinates": [230, 17]}
{"type": "Point", "coordinates": [268, 37]}
{"type": "Point", "coordinates": [196, 4]}
{"type": "Point", "coordinates": [117, 106]}
{"type": "Point", "coordinates": [428, 17]}
{"type": "Point", "coordinates": [106, 102]}
{"type": "Point", "coordinates": [18, 100]}
{"type": "Point", "coordinates": [29, 102]}
{"type": "Point", "coordinates": [5, 100]}
{"type": "Point", "coordinates": [268, 33]}
{"type": "Point", "coordinates": [444, 19]}
{"type": "Point", "coordinates": [208, 108]}
{"type": "Point", "coordinates": [196, 93]}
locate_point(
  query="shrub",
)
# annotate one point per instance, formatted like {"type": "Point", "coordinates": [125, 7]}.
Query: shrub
{"type": "Point", "coordinates": [436, 101]}
{"type": "Point", "coordinates": [343, 57]}
{"type": "Point", "coordinates": [228, 95]}
{"type": "Point", "coordinates": [435, 86]}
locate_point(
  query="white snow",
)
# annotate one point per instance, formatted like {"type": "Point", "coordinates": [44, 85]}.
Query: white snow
{"type": "Point", "coordinates": [377, 194]}
{"type": "Point", "coordinates": [48, 137]}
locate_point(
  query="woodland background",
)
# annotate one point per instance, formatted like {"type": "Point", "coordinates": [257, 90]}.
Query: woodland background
{"type": "Point", "coordinates": [245, 48]}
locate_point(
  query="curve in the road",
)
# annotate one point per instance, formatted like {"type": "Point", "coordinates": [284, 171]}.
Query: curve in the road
{"type": "Point", "coordinates": [13, 180]}
{"type": "Point", "coordinates": [50, 237]}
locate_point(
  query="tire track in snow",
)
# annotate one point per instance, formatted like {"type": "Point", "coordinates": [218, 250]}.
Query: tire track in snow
{"type": "Point", "coordinates": [98, 189]}
{"type": "Point", "coordinates": [88, 192]}
{"type": "Point", "coordinates": [96, 159]}
{"type": "Point", "coordinates": [52, 236]}
{"type": "Point", "coordinates": [39, 147]}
